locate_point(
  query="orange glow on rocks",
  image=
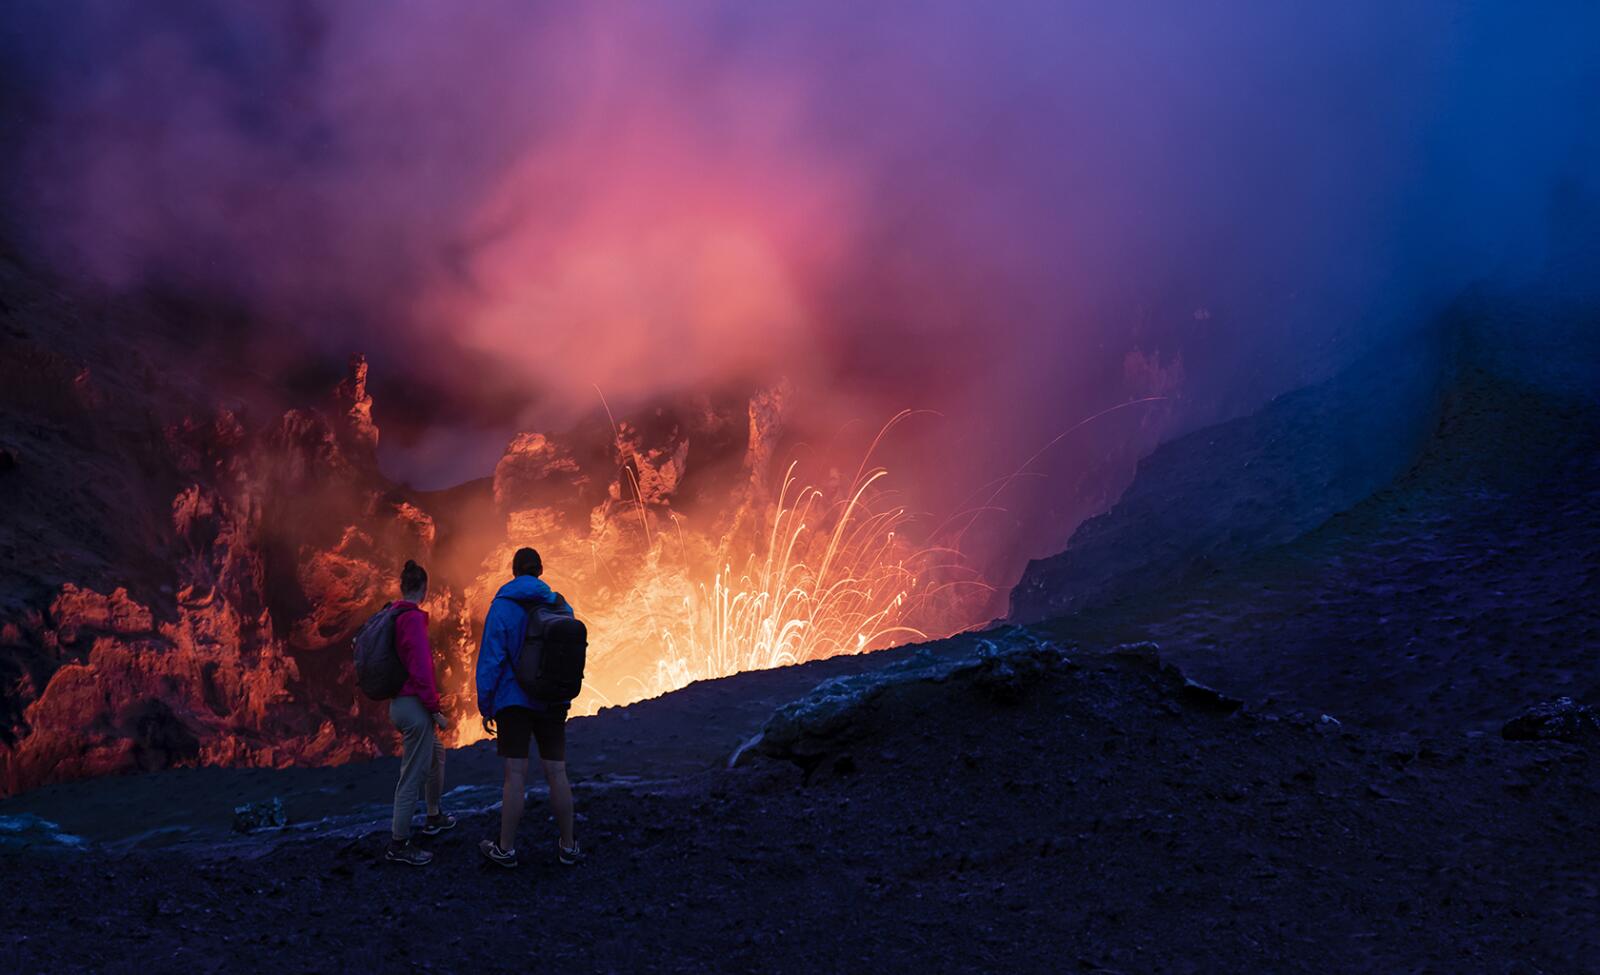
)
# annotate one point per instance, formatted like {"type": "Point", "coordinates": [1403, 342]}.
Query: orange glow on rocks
{"type": "Point", "coordinates": [780, 573]}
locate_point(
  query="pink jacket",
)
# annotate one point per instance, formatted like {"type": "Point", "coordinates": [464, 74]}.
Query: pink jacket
{"type": "Point", "coordinates": [411, 643]}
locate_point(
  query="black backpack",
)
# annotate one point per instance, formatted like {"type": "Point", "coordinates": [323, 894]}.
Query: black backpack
{"type": "Point", "coordinates": [554, 648]}
{"type": "Point", "coordinates": [379, 669]}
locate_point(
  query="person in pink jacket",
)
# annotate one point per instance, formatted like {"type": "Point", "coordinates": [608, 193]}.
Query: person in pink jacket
{"type": "Point", "coordinates": [416, 715]}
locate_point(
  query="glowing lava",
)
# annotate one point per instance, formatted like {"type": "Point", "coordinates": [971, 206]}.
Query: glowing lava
{"type": "Point", "coordinates": [790, 573]}
{"type": "Point", "coordinates": [831, 578]}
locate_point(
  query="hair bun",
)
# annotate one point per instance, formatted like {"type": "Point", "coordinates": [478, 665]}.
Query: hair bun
{"type": "Point", "coordinates": [413, 577]}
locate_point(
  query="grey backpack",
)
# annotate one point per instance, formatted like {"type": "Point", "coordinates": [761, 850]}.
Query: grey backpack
{"type": "Point", "coordinates": [555, 645]}
{"type": "Point", "coordinates": [379, 670]}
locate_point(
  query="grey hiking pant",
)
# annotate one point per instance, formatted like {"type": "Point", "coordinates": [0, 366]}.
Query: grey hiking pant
{"type": "Point", "coordinates": [421, 762]}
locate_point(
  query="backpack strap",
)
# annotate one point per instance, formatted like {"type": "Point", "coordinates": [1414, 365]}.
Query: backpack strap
{"type": "Point", "coordinates": [526, 604]}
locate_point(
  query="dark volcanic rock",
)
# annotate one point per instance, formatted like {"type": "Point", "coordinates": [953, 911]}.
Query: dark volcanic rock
{"type": "Point", "coordinates": [835, 713]}
{"type": "Point", "coordinates": [1560, 720]}
{"type": "Point", "coordinates": [1005, 674]}
{"type": "Point", "coordinates": [1196, 694]}
{"type": "Point", "coordinates": [267, 814]}
{"type": "Point", "coordinates": [1208, 500]}
{"type": "Point", "coordinates": [1003, 668]}
{"type": "Point", "coordinates": [1147, 656]}
{"type": "Point", "coordinates": [1441, 603]}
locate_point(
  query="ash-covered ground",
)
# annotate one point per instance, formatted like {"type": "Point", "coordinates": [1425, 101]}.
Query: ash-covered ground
{"type": "Point", "coordinates": [1088, 812]}
{"type": "Point", "coordinates": [1053, 797]}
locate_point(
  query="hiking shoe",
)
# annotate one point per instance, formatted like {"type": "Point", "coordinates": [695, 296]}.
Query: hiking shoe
{"type": "Point", "coordinates": [434, 825]}
{"type": "Point", "coordinates": [407, 854]}
{"type": "Point", "coordinates": [491, 851]}
{"type": "Point", "coordinates": [569, 856]}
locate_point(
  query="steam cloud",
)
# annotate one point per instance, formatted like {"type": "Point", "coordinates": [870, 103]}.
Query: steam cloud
{"type": "Point", "coordinates": [1014, 214]}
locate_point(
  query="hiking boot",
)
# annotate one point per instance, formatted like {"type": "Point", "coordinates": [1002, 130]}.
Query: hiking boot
{"type": "Point", "coordinates": [434, 825]}
{"type": "Point", "coordinates": [491, 851]}
{"type": "Point", "coordinates": [569, 856]}
{"type": "Point", "coordinates": [406, 853]}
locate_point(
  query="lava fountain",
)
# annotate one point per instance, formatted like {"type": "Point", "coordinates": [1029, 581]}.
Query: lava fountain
{"type": "Point", "coordinates": [789, 573]}
{"type": "Point", "coordinates": [812, 591]}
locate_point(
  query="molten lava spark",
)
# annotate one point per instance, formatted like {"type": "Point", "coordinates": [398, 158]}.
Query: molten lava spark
{"type": "Point", "coordinates": [824, 579]}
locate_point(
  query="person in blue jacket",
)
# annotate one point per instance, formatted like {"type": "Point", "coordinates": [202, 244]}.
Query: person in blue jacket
{"type": "Point", "coordinates": [511, 717]}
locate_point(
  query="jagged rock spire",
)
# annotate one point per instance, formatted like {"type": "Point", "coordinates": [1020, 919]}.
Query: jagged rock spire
{"type": "Point", "coordinates": [356, 405]}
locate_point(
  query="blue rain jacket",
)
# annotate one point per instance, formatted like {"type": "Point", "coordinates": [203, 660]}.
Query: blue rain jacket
{"type": "Point", "coordinates": [503, 631]}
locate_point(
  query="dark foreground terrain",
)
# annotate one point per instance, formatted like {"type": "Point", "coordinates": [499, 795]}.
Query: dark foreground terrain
{"type": "Point", "coordinates": [1085, 812]}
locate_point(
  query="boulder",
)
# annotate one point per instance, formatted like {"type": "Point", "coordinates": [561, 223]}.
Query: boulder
{"type": "Point", "coordinates": [266, 814]}
{"type": "Point", "coordinates": [1560, 720]}
{"type": "Point", "coordinates": [833, 714]}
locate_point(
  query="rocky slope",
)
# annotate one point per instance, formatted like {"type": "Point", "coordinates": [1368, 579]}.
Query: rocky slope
{"type": "Point", "coordinates": [1214, 497]}
{"type": "Point", "coordinates": [1467, 587]}
{"type": "Point", "coordinates": [1440, 589]}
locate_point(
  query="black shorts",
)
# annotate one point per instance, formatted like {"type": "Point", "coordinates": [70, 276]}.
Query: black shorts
{"type": "Point", "coordinates": [513, 726]}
